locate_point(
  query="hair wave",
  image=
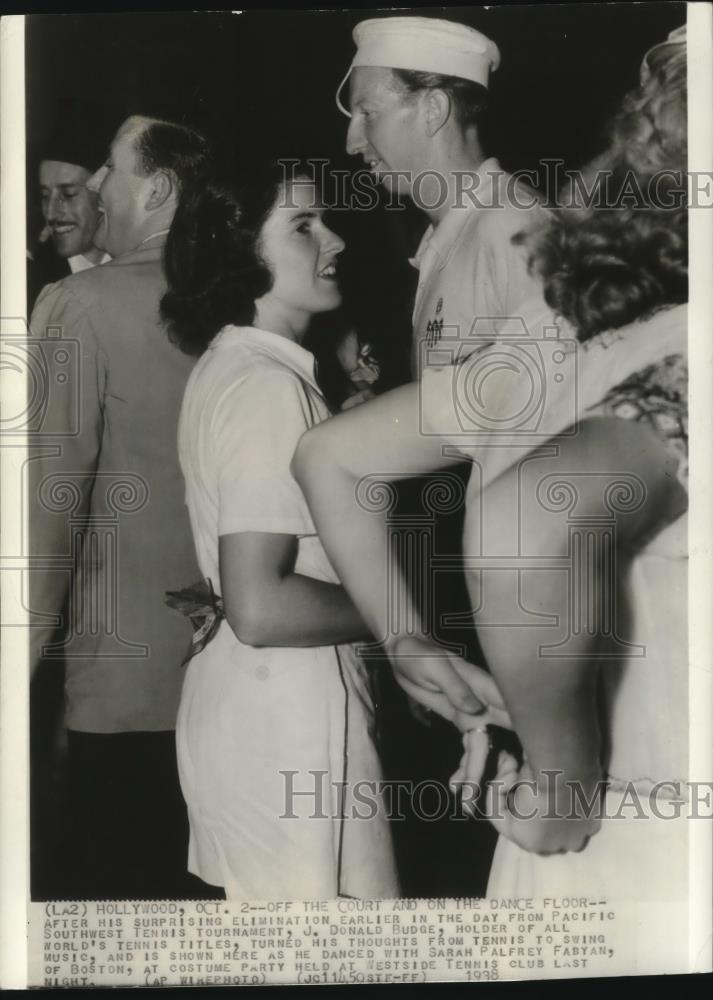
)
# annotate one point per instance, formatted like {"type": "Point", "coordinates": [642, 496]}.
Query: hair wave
{"type": "Point", "coordinates": [212, 261]}
{"type": "Point", "coordinates": [606, 266]}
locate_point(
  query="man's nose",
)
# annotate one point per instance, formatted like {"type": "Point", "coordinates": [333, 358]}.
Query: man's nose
{"type": "Point", "coordinates": [53, 205]}
{"type": "Point", "coordinates": [95, 181]}
{"type": "Point", "coordinates": [356, 139]}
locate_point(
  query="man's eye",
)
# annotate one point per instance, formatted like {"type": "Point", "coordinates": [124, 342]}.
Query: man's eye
{"type": "Point", "coordinates": [304, 227]}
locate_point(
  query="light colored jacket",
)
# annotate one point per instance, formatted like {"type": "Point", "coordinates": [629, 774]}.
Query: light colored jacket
{"type": "Point", "coordinates": [104, 469]}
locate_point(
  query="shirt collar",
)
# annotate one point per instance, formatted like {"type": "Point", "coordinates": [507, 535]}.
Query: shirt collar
{"type": "Point", "coordinates": [441, 240]}
{"type": "Point", "coordinates": [150, 249]}
{"type": "Point", "coordinates": [154, 236]}
{"type": "Point", "coordinates": [274, 346]}
{"type": "Point", "coordinates": [81, 263]}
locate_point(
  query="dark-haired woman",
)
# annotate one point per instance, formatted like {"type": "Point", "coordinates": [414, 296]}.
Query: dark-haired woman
{"type": "Point", "coordinates": [583, 614]}
{"type": "Point", "coordinates": [275, 729]}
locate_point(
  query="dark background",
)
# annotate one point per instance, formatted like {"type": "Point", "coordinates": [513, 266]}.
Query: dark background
{"type": "Point", "coordinates": [269, 77]}
{"type": "Point", "coordinates": [265, 81]}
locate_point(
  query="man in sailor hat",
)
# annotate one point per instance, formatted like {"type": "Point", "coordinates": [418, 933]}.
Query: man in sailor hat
{"type": "Point", "coordinates": [418, 93]}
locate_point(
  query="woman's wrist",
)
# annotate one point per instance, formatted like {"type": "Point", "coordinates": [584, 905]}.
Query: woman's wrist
{"type": "Point", "coordinates": [404, 645]}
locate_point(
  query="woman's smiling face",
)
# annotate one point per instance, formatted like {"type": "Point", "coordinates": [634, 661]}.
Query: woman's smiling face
{"type": "Point", "coordinates": [301, 253]}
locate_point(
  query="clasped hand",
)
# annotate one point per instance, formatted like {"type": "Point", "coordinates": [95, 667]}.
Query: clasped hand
{"type": "Point", "coordinates": [541, 816]}
{"type": "Point", "coordinates": [460, 692]}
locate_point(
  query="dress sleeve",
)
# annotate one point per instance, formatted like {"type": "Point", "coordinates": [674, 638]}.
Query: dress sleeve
{"type": "Point", "coordinates": [257, 425]}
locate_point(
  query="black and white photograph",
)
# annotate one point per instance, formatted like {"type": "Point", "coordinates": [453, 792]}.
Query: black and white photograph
{"type": "Point", "coordinates": [354, 619]}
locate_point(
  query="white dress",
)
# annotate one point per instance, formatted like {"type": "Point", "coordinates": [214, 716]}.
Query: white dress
{"type": "Point", "coordinates": [644, 698]}
{"type": "Point", "coordinates": [267, 736]}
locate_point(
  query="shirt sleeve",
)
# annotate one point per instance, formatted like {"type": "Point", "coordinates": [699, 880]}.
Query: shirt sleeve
{"type": "Point", "coordinates": [257, 425]}
{"type": "Point", "coordinates": [64, 444]}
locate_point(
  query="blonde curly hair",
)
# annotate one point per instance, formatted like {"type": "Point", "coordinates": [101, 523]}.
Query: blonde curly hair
{"type": "Point", "coordinates": [607, 265]}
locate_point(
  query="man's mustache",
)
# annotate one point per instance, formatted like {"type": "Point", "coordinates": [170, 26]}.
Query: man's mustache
{"type": "Point", "coordinates": [47, 231]}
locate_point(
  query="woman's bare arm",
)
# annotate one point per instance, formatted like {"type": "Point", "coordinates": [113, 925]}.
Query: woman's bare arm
{"type": "Point", "coordinates": [268, 604]}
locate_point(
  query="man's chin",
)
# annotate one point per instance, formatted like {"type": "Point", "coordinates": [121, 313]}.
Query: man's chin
{"type": "Point", "coordinates": [66, 249]}
{"type": "Point", "coordinates": [394, 184]}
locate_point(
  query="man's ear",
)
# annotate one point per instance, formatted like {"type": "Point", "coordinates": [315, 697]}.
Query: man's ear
{"type": "Point", "coordinates": [161, 189]}
{"type": "Point", "coordinates": [438, 110]}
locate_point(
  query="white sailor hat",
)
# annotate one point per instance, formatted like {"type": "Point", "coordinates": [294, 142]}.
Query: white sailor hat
{"type": "Point", "coordinates": [662, 49]}
{"type": "Point", "coordinates": [426, 44]}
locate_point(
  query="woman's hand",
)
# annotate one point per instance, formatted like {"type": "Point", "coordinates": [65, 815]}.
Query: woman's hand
{"type": "Point", "coordinates": [361, 368]}
{"type": "Point", "coordinates": [468, 778]}
{"type": "Point", "coordinates": [459, 691]}
{"type": "Point", "coordinates": [541, 813]}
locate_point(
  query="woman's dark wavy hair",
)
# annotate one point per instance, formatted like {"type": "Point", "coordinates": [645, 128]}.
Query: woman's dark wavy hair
{"type": "Point", "coordinates": [212, 260]}
{"type": "Point", "coordinates": [604, 267]}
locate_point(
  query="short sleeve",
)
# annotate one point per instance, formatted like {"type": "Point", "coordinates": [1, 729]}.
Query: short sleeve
{"type": "Point", "coordinates": [256, 427]}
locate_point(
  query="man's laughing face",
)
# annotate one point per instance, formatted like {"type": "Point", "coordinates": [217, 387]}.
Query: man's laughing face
{"type": "Point", "coordinates": [69, 208]}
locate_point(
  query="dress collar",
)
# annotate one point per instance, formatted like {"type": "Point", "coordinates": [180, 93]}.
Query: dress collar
{"type": "Point", "coordinates": [274, 346]}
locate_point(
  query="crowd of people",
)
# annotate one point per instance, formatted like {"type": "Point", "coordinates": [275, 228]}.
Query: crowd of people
{"type": "Point", "coordinates": [205, 455]}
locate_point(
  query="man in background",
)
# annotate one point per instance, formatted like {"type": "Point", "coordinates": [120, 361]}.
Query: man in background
{"type": "Point", "coordinates": [106, 493]}
{"type": "Point", "coordinates": [70, 210]}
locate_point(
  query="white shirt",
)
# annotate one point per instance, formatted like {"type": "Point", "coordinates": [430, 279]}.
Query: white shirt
{"type": "Point", "coordinates": [81, 263]}
{"type": "Point", "coordinates": [470, 274]}
{"type": "Point", "coordinates": [248, 400]}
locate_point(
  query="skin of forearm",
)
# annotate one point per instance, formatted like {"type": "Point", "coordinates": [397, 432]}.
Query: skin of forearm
{"type": "Point", "coordinates": [298, 610]}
